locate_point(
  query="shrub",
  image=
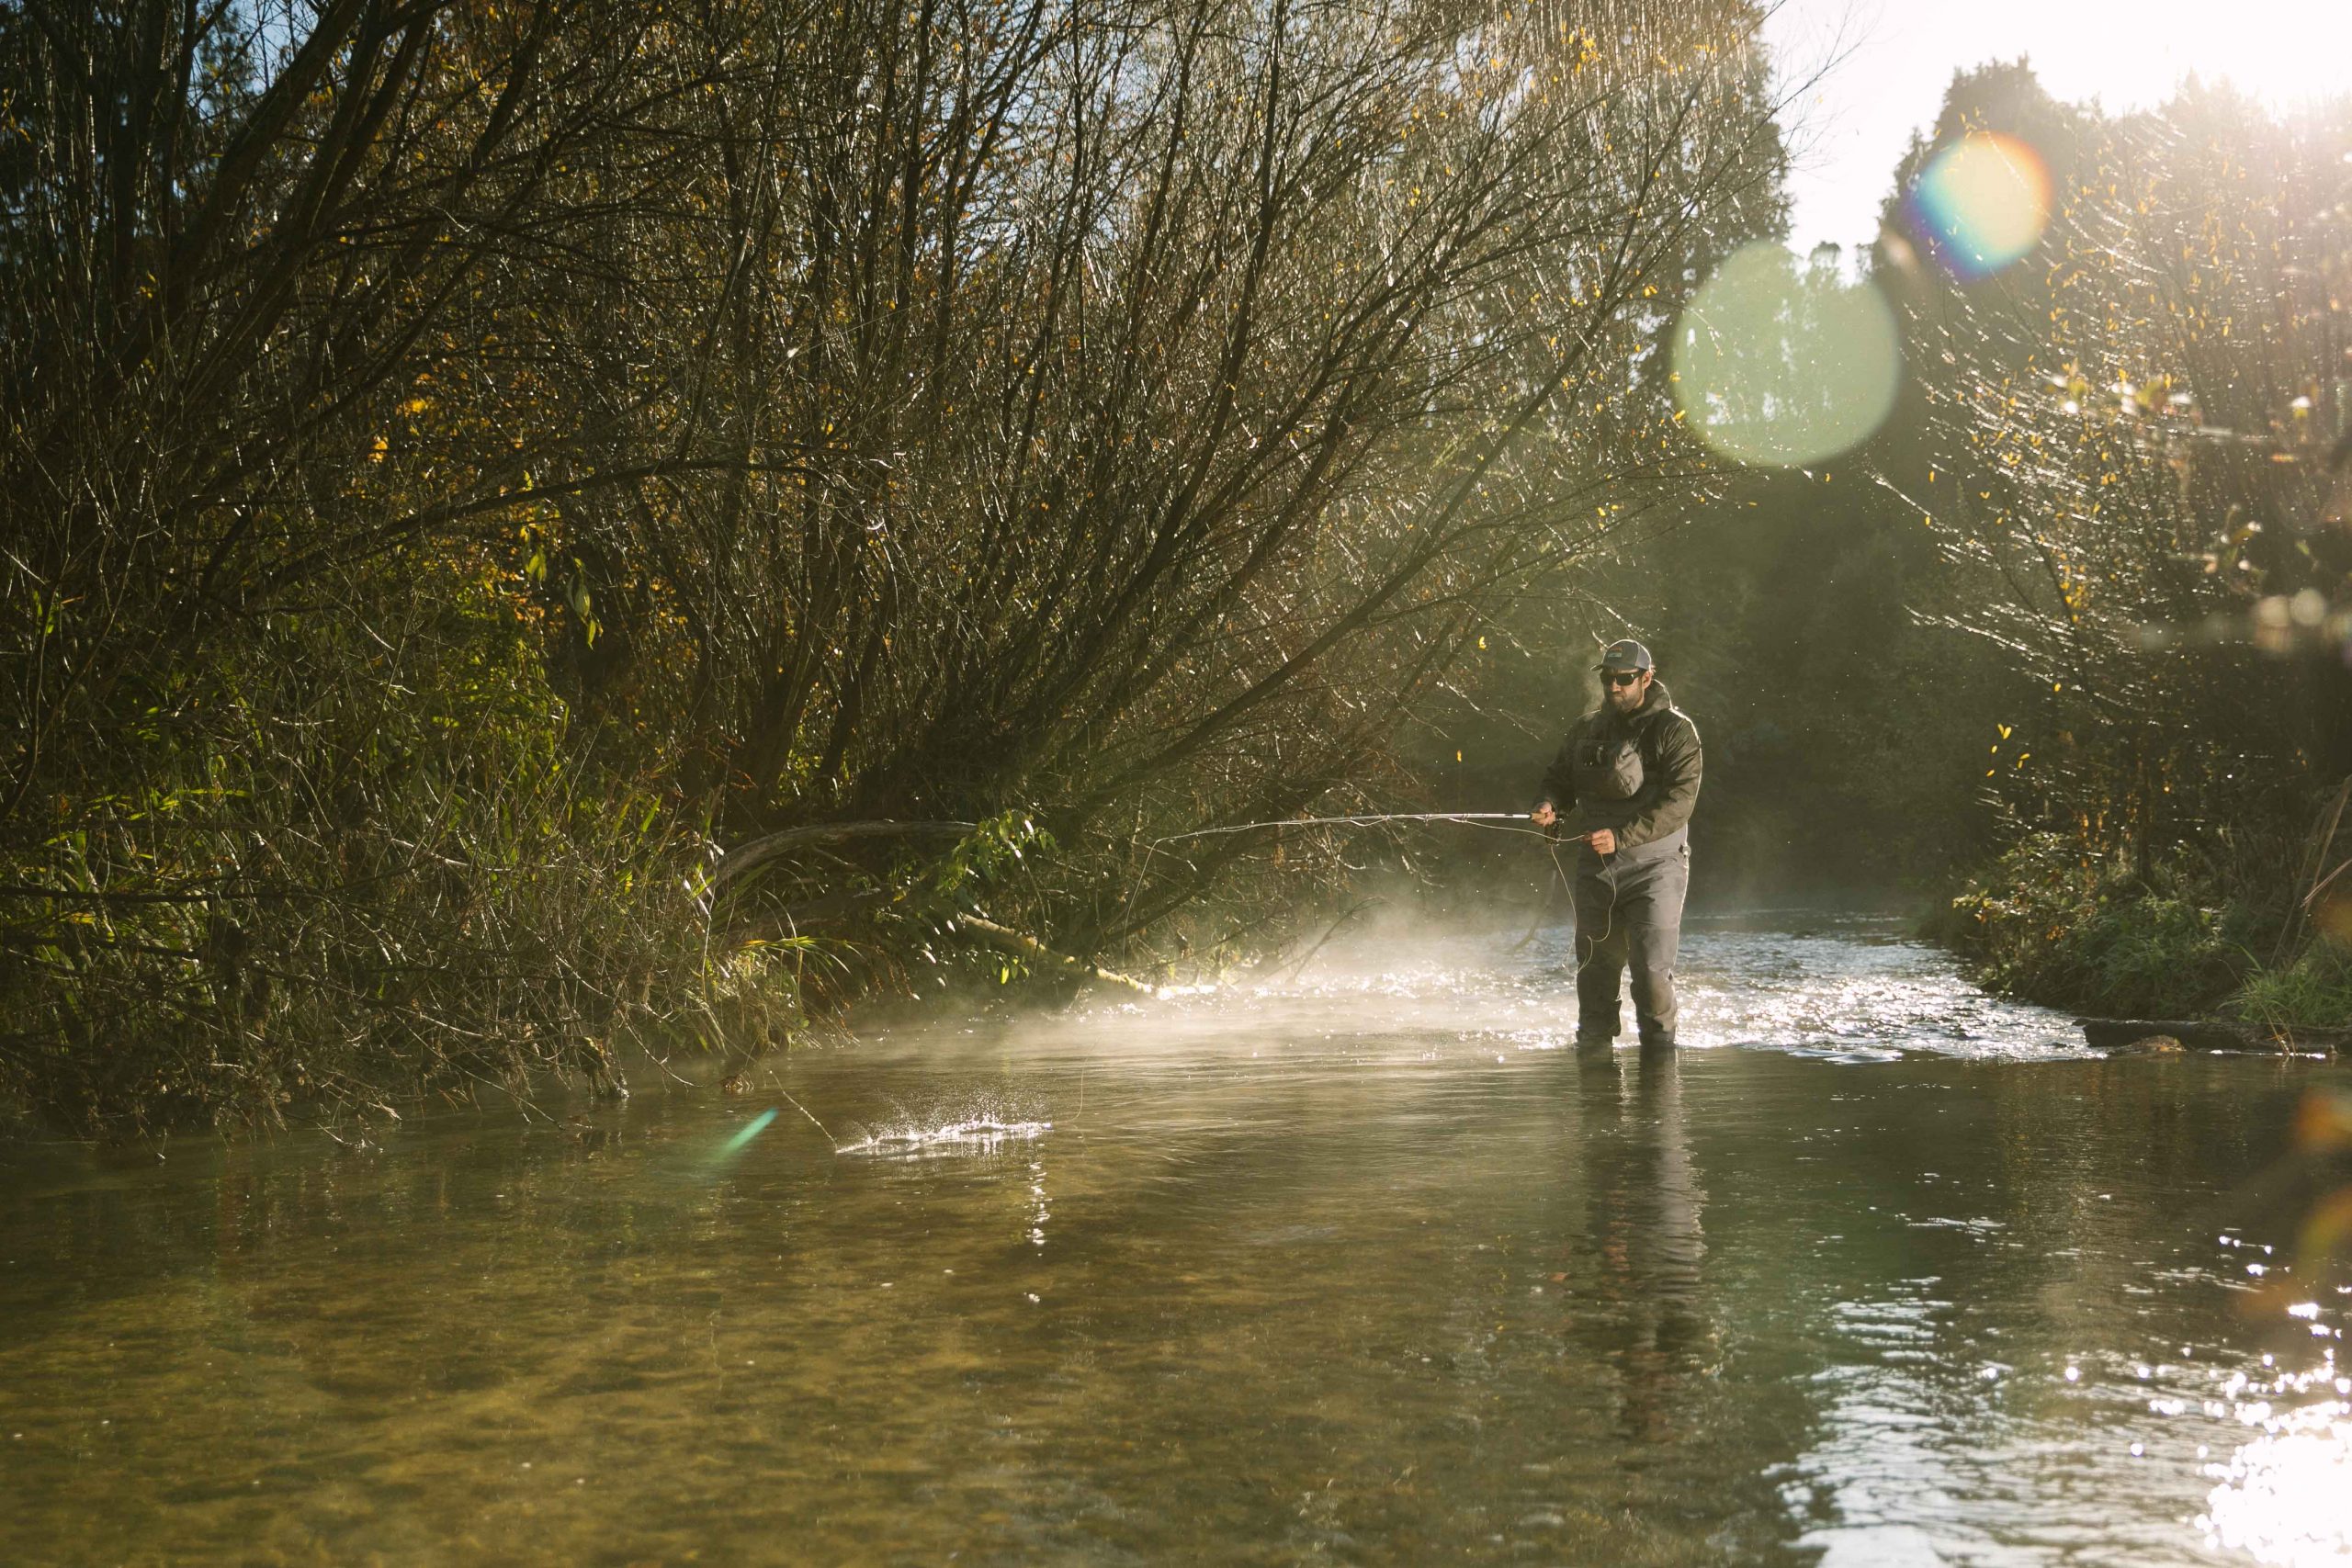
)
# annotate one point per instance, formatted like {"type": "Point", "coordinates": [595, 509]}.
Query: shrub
{"type": "Point", "coordinates": [2055, 926]}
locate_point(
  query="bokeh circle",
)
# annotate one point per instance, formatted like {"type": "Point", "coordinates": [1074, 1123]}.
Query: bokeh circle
{"type": "Point", "coordinates": [1777, 366]}
{"type": "Point", "coordinates": [1982, 203]}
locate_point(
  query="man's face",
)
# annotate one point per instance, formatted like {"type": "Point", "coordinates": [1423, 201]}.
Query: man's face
{"type": "Point", "coordinates": [1627, 689]}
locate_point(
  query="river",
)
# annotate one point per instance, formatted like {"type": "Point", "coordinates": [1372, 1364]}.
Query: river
{"type": "Point", "coordinates": [1365, 1266]}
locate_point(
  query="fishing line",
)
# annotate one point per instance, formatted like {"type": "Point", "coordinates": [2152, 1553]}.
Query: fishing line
{"type": "Point", "coordinates": [1591, 951]}
{"type": "Point", "coordinates": [1608, 925]}
{"type": "Point", "coordinates": [1543, 903]}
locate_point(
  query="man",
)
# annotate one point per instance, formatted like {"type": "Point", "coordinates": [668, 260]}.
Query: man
{"type": "Point", "coordinates": [1625, 780]}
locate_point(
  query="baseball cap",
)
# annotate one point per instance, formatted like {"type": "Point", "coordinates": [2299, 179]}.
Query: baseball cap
{"type": "Point", "coordinates": [1625, 654]}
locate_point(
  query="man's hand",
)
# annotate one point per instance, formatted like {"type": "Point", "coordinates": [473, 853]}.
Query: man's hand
{"type": "Point", "coordinates": [1602, 840]}
{"type": "Point", "coordinates": [1543, 816]}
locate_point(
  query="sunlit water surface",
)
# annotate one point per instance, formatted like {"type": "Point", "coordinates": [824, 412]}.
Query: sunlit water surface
{"type": "Point", "coordinates": [1367, 1266]}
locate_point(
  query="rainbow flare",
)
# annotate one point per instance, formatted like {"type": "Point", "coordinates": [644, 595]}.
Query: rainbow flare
{"type": "Point", "coordinates": [752, 1129]}
{"type": "Point", "coordinates": [1982, 203]}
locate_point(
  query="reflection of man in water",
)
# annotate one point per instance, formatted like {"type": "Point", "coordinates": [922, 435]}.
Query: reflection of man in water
{"type": "Point", "coordinates": [1625, 781]}
{"type": "Point", "coordinates": [1648, 1244]}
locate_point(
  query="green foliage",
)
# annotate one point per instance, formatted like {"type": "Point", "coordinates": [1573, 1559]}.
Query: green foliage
{"type": "Point", "coordinates": [2049, 923]}
{"type": "Point", "coordinates": [346, 865]}
{"type": "Point", "coordinates": [2315, 991]}
{"type": "Point", "coordinates": [991, 851]}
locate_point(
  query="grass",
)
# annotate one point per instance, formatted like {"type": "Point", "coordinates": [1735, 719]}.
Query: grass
{"type": "Point", "coordinates": [2313, 992]}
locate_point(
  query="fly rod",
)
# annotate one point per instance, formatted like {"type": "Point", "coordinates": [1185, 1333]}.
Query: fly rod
{"type": "Point", "coordinates": [1366, 819]}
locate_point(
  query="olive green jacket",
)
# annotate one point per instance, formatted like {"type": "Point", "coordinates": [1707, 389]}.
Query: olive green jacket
{"type": "Point", "coordinates": [1637, 775]}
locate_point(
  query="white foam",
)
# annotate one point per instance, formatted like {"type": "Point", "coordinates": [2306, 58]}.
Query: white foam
{"type": "Point", "coordinates": [954, 1137]}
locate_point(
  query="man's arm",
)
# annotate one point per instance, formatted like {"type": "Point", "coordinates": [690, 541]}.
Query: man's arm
{"type": "Point", "coordinates": [1678, 757]}
{"type": "Point", "coordinates": [1558, 789]}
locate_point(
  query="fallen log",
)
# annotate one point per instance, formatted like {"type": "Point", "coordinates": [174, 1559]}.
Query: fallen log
{"type": "Point", "coordinates": [1004, 938]}
{"type": "Point", "coordinates": [2210, 1034]}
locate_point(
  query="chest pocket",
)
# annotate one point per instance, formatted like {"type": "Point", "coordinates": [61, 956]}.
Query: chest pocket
{"type": "Point", "coordinates": [1609, 769]}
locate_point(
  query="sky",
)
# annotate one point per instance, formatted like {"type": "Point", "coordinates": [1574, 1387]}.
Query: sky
{"type": "Point", "coordinates": [1884, 65]}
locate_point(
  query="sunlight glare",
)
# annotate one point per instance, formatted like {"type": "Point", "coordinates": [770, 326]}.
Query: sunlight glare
{"type": "Point", "coordinates": [1781, 367]}
{"type": "Point", "coordinates": [2286, 1496]}
{"type": "Point", "coordinates": [1887, 64]}
{"type": "Point", "coordinates": [1981, 204]}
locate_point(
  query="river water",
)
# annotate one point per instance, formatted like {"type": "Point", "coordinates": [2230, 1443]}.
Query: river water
{"type": "Point", "coordinates": [1368, 1266]}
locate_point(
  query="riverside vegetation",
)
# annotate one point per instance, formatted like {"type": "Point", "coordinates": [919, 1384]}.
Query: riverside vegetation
{"type": "Point", "coordinates": [2136, 458]}
{"type": "Point", "coordinates": [471, 474]}
{"type": "Point", "coordinates": [532, 525]}
{"type": "Point", "coordinates": [2061, 649]}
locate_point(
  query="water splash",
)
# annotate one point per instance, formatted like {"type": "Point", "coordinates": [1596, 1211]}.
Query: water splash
{"type": "Point", "coordinates": [977, 1136]}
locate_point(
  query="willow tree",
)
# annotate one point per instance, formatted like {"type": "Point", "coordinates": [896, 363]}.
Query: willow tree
{"type": "Point", "coordinates": [1180, 392]}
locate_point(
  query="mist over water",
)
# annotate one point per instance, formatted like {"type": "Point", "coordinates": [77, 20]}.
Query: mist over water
{"type": "Point", "coordinates": [1366, 1264]}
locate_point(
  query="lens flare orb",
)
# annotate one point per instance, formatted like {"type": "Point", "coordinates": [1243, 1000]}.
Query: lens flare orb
{"type": "Point", "coordinates": [1783, 365]}
{"type": "Point", "coordinates": [1982, 203]}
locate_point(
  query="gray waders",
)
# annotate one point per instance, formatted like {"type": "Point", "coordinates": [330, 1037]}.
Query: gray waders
{"type": "Point", "coordinates": [1629, 911]}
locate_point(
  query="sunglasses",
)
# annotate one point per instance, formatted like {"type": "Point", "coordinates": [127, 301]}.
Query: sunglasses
{"type": "Point", "coordinates": [1622, 677]}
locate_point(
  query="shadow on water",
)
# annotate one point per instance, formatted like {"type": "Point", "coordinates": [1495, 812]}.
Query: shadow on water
{"type": "Point", "coordinates": [1366, 1266]}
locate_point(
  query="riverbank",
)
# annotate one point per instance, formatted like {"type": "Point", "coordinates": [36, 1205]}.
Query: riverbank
{"type": "Point", "coordinates": [2048, 925]}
